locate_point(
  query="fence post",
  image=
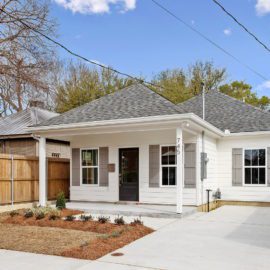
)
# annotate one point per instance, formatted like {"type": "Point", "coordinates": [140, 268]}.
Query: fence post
{"type": "Point", "coordinates": [12, 180]}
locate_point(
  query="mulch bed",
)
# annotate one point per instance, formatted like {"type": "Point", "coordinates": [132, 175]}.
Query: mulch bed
{"type": "Point", "coordinates": [109, 236]}
{"type": "Point", "coordinates": [102, 246]}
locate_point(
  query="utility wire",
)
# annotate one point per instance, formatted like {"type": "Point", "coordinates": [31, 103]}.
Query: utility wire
{"type": "Point", "coordinates": [84, 58]}
{"type": "Point", "coordinates": [241, 25]}
{"type": "Point", "coordinates": [209, 40]}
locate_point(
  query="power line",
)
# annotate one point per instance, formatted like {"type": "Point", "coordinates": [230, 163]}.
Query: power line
{"type": "Point", "coordinates": [84, 58]}
{"type": "Point", "coordinates": [209, 40]}
{"type": "Point", "coordinates": [241, 25]}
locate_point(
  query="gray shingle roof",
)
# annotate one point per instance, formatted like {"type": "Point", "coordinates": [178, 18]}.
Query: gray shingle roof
{"type": "Point", "coordinates": [131, 102]}
{"type": "Point", "coordinates": [15, 124]}
{"type": "Point", "coordinates": [225, 112]}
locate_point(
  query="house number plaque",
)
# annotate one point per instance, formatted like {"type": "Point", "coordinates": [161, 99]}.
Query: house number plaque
{"type": "Point", "coordinates": [178, 146]}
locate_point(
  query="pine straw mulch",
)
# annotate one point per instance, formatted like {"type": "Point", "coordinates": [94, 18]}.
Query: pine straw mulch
{"type": "Point", "coordinates": [104, 238]}
{"type": "Point", "coordinates": [52, 241]}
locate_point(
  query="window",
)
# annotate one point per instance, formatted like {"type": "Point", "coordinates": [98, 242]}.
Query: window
{"type": "Point", "coordinates": [168, 165]}
{"type": "Point", "coordinates": [89, 166]}
{"type": "Point", "coordinates": [255, 167]}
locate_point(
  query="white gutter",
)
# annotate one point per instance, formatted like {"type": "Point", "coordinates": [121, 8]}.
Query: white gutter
{"type": "Point", "coordinates": [139, 120]}
{"type": "Point", "coordinates": [250, 133]}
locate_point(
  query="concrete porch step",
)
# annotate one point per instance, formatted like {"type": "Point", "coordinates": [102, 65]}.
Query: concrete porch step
{"type": "Point", "coordinates": [139, 210]}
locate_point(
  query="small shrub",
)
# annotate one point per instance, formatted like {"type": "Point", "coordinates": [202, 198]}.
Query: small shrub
{"type": "Point", "coordinates": [103, 219]}
{"type": "Point", "coordinates": [119, 221]}
{"type": "Point", "coordinates": [28, 213]}
{"type": "Point", "coordinates": [69, 218]}
{"type": "Point", "coordinates": [84, 244]}
{"type": "Point", "coordinates": [86, 218]}
{"type": "Point", "coordinates": [54, 214]}
{"type": "Point", "coordinates": [136, 221]}
{"type": "Point", "coordinates": [116, 234]}
{"type": "Point", "coordinates": [14, 213]}
{"type": "Point", "coordinates": [61, 201]}
{"type": "Point", "coordinates": [104, 236]}
{"type": "Point", "coordinates": [39, 214]}
{"type": "Point", "coordinates": [35, 205]}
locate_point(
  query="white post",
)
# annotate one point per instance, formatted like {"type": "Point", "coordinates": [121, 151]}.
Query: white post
{"type": "Point", "coordinates": [179, 170]}
{"type": "Point", "coordinates": [42, 172]}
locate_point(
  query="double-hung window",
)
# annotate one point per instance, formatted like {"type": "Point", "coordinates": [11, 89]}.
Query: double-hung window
{"type": "Point", "coordinates": [168, 165]}
{"type": "Point", "coordinates": [255, 167]}
{"type": "Point", "coordinates": [89, 166]}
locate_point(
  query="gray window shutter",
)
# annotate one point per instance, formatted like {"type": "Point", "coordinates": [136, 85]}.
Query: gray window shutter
{"type": "Point", "coordinates": [237, 166]}
{"type": "Point", "coordinates": [154, 170]}
{"type": "Point", "coordinates": [75, 166]}
{"type": "Point", "coordinates": [268, 166]}
{"type": "Point", "coordinates": [190, 165]}
{"type": "Point", "coordinates": [103, 166]}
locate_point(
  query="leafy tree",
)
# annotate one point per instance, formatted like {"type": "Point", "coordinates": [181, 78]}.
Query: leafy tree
{"type": "Point", "coordinates": [174, 85]}
{"type": "Point", "coordinates": [181, 85]}
{"type": "Point", "coordinates": [243, 91]}
{"type": "Point", "coordinates": [82, 84]}
{"type": "Point", "coordinates": [207, 73]}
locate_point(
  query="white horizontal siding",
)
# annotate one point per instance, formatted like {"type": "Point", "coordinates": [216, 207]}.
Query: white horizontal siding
{"type": "Point", "coordinates": [224, 167]}
{"type": "Point", "coordinates": [210, 147]}
{"type": "Point", "coordinates": [142, 140]}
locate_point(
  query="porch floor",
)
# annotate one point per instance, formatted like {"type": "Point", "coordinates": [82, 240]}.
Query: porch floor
{"type": "Point", "coordinates": [132, 209]}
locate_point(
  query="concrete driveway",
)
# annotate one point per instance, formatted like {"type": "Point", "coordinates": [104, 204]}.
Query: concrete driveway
{"type": "Point", "coordinates": [228, 238]}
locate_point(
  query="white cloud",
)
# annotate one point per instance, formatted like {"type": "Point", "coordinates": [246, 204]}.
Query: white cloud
{"type": "Point", "coordinates": [227, 31]}
{"type": "Point", "coordinates": [96, 6]}
{"type": "Point", "coordinates": [262, 7]}
{"type": "Point", "coordinates": [264, 86]}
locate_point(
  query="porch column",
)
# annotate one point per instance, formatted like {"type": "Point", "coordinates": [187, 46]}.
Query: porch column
{"type": "Point", "coordinates": [42, 172]}
{"type": "Point", "coordinates": [179, 171]}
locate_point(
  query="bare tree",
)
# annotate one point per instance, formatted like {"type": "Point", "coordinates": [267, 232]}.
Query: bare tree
{"type": "Point", "coordinates": [26, 58]}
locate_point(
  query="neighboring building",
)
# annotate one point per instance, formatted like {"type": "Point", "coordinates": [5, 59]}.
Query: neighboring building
{"type": "Point", "coordinates": [135, 145]}
{"type": "Point", "coordinates": [14, 139]}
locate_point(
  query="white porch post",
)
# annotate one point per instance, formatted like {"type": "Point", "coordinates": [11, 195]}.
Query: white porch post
{"type": "Point", "coordinates": [179, 171]}
{"type": "Point", "coordinates": [42, 172]}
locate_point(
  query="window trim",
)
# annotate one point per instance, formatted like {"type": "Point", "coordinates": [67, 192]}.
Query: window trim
{"type": "Point", "coordinates": [161, 166]}
{"type": "Point", "coordinates": [265, 166]}
{"type": "Point", "coordinates": [81, 167]}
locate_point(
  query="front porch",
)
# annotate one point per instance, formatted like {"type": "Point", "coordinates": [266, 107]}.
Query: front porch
{"type": "Point", "coordinates": [156, 166]}
{"type": "Point", "coordinates": [131, 209]}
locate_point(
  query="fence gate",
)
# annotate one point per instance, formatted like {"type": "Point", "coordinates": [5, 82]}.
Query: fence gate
{"type": "Point", "coordinates": [19, 178]}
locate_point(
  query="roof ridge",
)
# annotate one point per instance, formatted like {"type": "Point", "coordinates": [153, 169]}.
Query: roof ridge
{"type": "Point", "coordinates": [95, 100]}
{"type": "Point", "coordinates": [163, 97]}
{"type": "Point", "coordinates": [244, 103]}
{"type": "Point", "coordinates": [121, 90]}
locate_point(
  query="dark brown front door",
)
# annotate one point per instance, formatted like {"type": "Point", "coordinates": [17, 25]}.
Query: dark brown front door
{"type": "Point", "coordinates": [129, 174]}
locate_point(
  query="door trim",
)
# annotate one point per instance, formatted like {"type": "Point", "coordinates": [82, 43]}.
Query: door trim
{"type": "Point", "coordinates": [138, 185]}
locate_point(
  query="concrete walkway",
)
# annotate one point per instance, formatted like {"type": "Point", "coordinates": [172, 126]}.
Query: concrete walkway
{"type": "Point", "coordinates": [14, 260]}
{"type": "Point", "coordinates": [230, 237]}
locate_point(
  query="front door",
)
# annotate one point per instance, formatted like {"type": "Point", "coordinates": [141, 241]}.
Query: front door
{"type": "Point", "coordinates": [129, 174]}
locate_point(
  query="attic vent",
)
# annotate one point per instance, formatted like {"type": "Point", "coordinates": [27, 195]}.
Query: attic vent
{"type": "Point", "coordinates": [227, 131]}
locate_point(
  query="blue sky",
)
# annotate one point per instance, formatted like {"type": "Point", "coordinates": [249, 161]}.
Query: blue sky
{"type": "Point", "coordinates": [136, 37]}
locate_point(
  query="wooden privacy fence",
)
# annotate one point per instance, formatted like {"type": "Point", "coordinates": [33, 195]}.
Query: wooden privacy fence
{"type": "Point", "coordinates": [19, 178]}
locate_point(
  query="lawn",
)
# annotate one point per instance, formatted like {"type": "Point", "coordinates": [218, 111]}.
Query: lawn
{"type": "Point", "coordinates": [56, 233]}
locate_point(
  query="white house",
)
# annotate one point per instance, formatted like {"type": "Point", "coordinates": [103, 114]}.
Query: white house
{"type": "Point", "coordinates": [134, 145]}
